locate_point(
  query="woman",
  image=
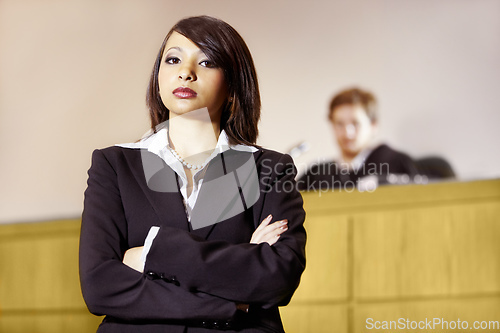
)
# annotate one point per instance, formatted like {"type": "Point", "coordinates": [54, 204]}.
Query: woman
{"type": "Point", "coordinates": [176, 229]}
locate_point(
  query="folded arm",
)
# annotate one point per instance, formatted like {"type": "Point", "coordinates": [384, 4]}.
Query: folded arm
{"type": "Point", "coordinates": [244, 273]}
{"type": "Point", "coordinates": [109, 287]}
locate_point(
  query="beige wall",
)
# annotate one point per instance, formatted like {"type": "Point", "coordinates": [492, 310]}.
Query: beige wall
{"type": "Point", "coordinates": [73, 76]}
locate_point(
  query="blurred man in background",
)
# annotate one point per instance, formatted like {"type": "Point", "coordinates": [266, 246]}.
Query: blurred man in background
{"type": "Point", "coordinates": [362, 164]}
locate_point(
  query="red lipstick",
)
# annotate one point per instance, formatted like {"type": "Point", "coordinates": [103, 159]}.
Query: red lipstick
{"type": "Point", "coordinates": [184, 92]}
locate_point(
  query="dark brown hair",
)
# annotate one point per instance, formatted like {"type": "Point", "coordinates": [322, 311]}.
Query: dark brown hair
{"type": "Point", "coordinates": [223, 46]}
{"type": "Point", "coordinates": [355, 96]}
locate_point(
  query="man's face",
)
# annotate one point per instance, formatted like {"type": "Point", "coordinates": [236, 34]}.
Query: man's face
{"type": "Point", "coordinates": [353, 128]}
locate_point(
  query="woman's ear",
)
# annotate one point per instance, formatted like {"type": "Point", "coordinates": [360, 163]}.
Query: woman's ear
{"type": "Point", "coordinates": [231, 103]}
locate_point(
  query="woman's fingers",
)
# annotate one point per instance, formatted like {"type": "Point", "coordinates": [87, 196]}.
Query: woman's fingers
{"type": "Point", "coordinates": [269, 233]}
{"type": "Point", "coordinates": [265, 222]}
{"type": "Point", "coordinates": [275, 229]}
{"type": "Point", "coordinates": [273, 235]}
{"type": "Point", "coordinates": [256, 236]}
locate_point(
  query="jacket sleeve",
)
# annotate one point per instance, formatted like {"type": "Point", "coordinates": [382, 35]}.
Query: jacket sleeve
{"type": "Point", "coordinates": [246, 273]}
{"type": "Point", "coordinates": [111, 288]}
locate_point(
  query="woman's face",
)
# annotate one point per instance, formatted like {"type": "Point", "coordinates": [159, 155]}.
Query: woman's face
{"type": "Point", "coordinates": [188, 80]}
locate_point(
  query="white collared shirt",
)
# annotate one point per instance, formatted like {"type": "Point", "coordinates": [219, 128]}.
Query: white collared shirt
{"type": "Point", "coordinates": [157, 143]}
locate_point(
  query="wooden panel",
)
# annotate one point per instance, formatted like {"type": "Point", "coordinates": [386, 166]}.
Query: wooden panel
{"type": "Point", "coordinates": [469, 310]}
{"type": "Point", "coordinates": [412, 251]}
{"type": "Point", "coordinates": [444, 250]}
{"type": "Point", "coordinates": [401, 251]}
{"type": "Point", "coordinates": [49, 322]}
{"type": "Point", "coordinates": [40, 269]}
{"type": "Point", "coordinates": [402, 196]}
{"type": "Point", "coordinates": [310, 318]}
{"type": "Point", "coordinates": [36, 278]}
{"type": "Point", "coordinates": [325, 277]}
{"type": "Point", "coordinates": [39, 283]}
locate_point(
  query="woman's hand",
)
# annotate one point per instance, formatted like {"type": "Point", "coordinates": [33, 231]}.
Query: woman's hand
{"type": "Point", "coordinates": [132, 258]}
{"type": "Point", "coordinates": [269, 233]}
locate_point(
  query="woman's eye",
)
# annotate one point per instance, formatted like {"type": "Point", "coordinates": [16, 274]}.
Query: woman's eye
{"type": "Point", "coordinates": [207, 63]}
{"type": "Point", "coordinates": [172, 60]}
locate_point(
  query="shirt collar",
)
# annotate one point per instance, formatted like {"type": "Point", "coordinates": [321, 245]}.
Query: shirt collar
{"type": "Point", "coordinates": [158, 141]}
{"type": "Point", "coordinates": [358, 160]}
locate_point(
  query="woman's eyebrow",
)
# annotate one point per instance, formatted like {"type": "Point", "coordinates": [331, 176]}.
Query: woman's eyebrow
{"type": "Point", "coordinates": [174, 48]}
{"type": "Point", "coordinates": [180, 49]}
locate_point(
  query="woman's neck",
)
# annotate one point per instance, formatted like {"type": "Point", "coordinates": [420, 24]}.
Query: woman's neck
{"type": "Point", "coordinates": [193, 135]}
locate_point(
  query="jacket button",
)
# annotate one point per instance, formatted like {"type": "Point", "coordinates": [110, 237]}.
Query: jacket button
{"type": "Point", "coordinates": [215, 324]}
{"type": "Point", "coordinates": [152, 275]}
{"type": "Point", "coordinates": [170, 279]}
{"type": "Point", "coordinates": [174, 280]}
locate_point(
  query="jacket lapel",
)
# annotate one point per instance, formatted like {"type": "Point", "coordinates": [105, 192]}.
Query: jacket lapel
{"type": "Point", "coordinates": [224, 186]}
{"type": "Point", "coordinates": [161, 189]}
{"type": "Point", "coordinates": [218, 200]}
{"type": "Point", "coordinates": [204, 211]}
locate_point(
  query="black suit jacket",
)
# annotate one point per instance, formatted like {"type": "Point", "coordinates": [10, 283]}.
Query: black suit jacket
{"type": "Point", "coordinates": [381, 162]}
{"type": "Point", "coordinates": [193, 278]}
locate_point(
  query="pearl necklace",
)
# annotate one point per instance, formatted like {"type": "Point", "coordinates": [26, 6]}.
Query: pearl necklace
{"type": "Point", "coordinates": [186, 164]}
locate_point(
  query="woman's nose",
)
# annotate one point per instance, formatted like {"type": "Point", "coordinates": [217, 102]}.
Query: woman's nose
{"type": "Point", "coordinates": [186, 73]}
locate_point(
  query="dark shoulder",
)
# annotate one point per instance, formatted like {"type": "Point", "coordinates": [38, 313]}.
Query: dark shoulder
{"type": "Point", "coordinates": [385, 152]}
{"type": "Point", "coordinates": [396, 161]}
{"type": "Point", "coordinates": [270, 161]}
{"type": "Point", "coordinates": [116, 156]}
{"type": "Point", "coordinates": [115, 151]}
{"type": "Point", "coordinates": [271, 155]}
